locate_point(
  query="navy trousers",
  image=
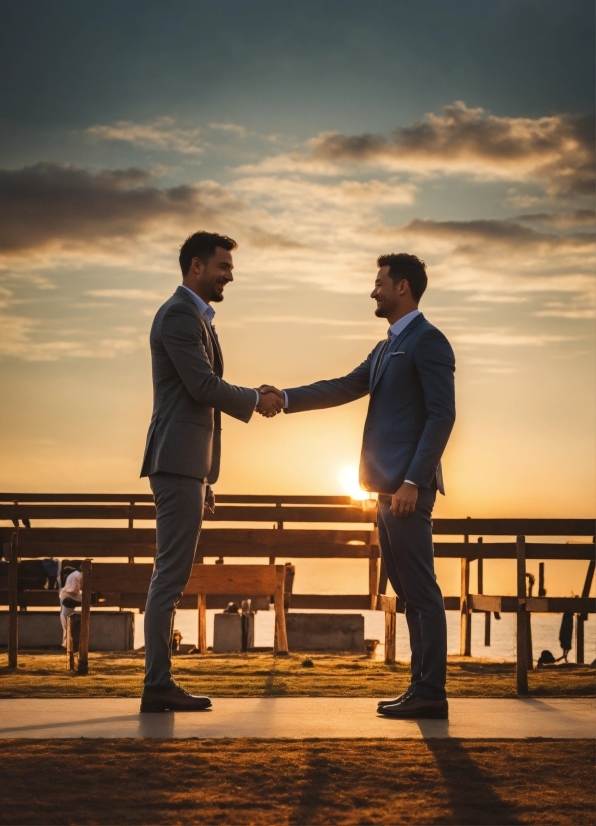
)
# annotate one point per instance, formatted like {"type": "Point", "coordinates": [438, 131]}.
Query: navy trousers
{"type": "Point", "coordinates": [179, 501]}
{"type": "Point", "coordinates": [407, 549]}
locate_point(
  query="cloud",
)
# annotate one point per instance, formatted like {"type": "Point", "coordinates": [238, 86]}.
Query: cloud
{"type": "Point", "coordinates": [506, 338]}
{"type": "Point", "coordinates": [232, 128]}
{"type": "Point", "coordinates": [48, 205]}
{"type": "Point", "coordinates": [162, 133]}
{"type": "Point", "coordinates": [27, 339]}
{"type": "Point", "coordinates": [132, 294]}
{"type": "Point", "coordinates": [557, 151]}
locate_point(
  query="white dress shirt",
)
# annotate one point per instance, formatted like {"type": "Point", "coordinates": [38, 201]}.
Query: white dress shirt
{"type": "Point", "coordinates": [208, 314]}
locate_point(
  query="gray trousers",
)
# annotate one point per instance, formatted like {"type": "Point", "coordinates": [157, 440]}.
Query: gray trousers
{"type": "Point", "coordinates": [179, 501]}
{"type": "Point", "coordinates": [407, 548]}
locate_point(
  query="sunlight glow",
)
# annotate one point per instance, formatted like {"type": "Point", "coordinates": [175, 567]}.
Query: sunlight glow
{"type": "Point", "coordinates": [350, 484]}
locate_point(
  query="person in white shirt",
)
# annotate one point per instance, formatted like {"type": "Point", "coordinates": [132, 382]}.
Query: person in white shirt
{"type": "Point", "coordinates": [70, 599]}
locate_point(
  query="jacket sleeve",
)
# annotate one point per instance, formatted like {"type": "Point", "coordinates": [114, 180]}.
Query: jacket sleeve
{"type": "Point", "coordinates": [435, 363]}
{"type": "Point", "coordinates": [332, 392]}
{"type": "Point", "coordinates": [181, 338]}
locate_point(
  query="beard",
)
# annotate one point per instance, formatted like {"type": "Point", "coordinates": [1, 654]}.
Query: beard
{"type": "Point", "coordinates": [381, 312]}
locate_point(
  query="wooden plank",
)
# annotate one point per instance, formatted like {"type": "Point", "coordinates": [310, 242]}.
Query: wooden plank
{"type": "Point", "coordinates": [514, 527]}
{"type": "Point", "coordinates": [13, 617]}
{"type": "Point", "coordinates": [148, 497]}
{"type": "Point", "coordinates": [452, 603]}
{"type": "Point", "coordinates": [243, 579]}
{"type": "Point", "coordinates": [77, 511]}
{"type": "Point", "coordinates": [560, 605]}
{"type": "Point", "coordinates": [83, 666]}
{"type": "Point", "coordinates": [32, 598]}
{"type": "Point", "coordinates": [506, 550]}
{"type": "Point", "coordinates": [121, 576]}
{"type": "Point", "coordinates": [358, 602]}
{"type": "Point", "coordinates": [522, 618]}
{"type": "Point", "coordinates": [223, 513]}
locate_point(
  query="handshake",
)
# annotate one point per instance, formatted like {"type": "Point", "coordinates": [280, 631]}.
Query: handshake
{"type": "Point", "coordinates": [271, 401]}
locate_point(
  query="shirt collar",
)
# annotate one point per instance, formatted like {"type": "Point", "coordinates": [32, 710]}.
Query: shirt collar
{"type": "Point", "coordinates": [206, 310]}
{"type": "Point", "coordinates": [401, 324]}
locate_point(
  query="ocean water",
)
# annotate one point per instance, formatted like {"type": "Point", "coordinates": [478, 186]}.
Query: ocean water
{"type": "Point", "coordinates": [545, 633]}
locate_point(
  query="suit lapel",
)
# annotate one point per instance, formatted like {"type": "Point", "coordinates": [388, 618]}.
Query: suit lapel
{"type": "Point", "coordinates": [395, 345]}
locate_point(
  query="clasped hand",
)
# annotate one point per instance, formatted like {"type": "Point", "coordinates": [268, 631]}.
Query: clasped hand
{"type": "Point", "coordinates": [271, 401]}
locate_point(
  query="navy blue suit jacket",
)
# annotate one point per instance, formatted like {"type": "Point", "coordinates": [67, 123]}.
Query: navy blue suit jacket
{"type": "Point", "coordinates": [411, 410]}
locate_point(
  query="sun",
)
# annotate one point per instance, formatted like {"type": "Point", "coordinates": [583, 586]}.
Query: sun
{"type": "Point", "coordinates": [350, 484]}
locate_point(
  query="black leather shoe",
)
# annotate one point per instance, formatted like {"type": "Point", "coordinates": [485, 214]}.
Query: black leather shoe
{"type": "Point", "coordinates": [415, 708]}
{"type": "Point", "coordinates": [400, 699]}
{"type": "Point", "coordinates": [172, 699]}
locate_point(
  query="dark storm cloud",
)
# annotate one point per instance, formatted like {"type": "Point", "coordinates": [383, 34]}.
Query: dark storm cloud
{"type": "Point", "coordinates": [558, 149]}
{"type": "Point", "coordinates": [48, 204]}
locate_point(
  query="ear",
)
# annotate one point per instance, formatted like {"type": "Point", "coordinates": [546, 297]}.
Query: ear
{"type": "Point", "coordinates": [403, 286]}
{"type": "Point", "coordinates": [197, 266]}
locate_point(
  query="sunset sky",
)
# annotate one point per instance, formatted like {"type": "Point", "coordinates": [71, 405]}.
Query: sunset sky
{"type": "Point", "coordinates": [319, 135]}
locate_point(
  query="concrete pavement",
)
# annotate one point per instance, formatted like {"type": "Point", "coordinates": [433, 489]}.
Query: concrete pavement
{"type": "Point", "coordinates": [296, 718]}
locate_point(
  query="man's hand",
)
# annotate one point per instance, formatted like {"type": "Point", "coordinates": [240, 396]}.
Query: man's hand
{"type": "Point", "coordinates": [269, 388]}
{"type": "Point", "coordinates": [210, 502]}
{"type": "Point", "coordinates": [403, 502]}
{"type": "Point", "coordinates": [271, 401]}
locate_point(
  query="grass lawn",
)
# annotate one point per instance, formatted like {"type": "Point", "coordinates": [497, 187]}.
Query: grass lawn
{"type": "Point", "coordinates": [297, 782]}
{"type": "Point", "coordinates": [262, 675]}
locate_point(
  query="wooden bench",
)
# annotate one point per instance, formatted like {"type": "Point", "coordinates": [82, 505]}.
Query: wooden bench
{"type": "Point", "coordinates": [104, 583]}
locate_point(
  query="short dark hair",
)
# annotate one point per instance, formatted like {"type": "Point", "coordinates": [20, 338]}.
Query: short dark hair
{"type": "Point", "coordinates": [408, 267]}
{"type": "Point", "coordinates": [202, 245]}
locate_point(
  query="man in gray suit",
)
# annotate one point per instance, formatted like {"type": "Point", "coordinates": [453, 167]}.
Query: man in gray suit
{"type": "Point", "coordinates": [182, 454]}
{"type": "Point", "coordinates": [410, 379]}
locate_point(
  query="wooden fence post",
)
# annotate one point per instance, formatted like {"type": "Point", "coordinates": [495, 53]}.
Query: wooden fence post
{"type": "Point", "coordinates": [481, 591]}
{"type": "Point", "coordinates": [390, 637]}
{"type": "Point", "coordinates": [202, 623]}
{"type": "Point", "coordinates": [83, 666]}
{"type": "Point", "coordinates": [280, 639]}
{"type": "Point", "coordinates": [465, 622]}
{"type": "Point", "coordinates": [521, 665]}
{"type": "Point", "coordinates": [581, 618]}
{"type": "Point", "coordinates": [13, 607]}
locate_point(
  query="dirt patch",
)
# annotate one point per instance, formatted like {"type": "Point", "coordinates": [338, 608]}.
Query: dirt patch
{"type": "Point", "coordinates": [296, 782]}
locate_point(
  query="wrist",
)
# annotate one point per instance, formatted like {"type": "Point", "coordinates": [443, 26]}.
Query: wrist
{"type": "Point", "coordinates": [409, 482]}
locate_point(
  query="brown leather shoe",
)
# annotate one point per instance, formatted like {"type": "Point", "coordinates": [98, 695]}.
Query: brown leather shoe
{"type": "Point", "coordinates": [414, 708]}
{"type": "Point", "coordinates": [172, 699]}
{"type": "Point", "coordinates": [400, 699]}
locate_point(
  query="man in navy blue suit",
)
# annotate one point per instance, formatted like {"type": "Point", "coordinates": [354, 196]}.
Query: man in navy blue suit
{"type": "Point", "coordinates": [410, 379]}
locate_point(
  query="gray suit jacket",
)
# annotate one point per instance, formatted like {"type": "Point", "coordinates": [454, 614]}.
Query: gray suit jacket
{"type": "Point", "coordinates": [189, 393]}
{"type": "Point", "coordinates": [411, 410]}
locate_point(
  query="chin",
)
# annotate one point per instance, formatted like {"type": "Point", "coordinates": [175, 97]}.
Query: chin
{"type": "Point", "coordinates": [217, 297]}
{"type": "Point", "coordinates": [380, 312]}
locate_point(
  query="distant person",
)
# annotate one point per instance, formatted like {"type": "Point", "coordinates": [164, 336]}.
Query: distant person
{"type": "Point", "coordinates": [566, 636]}
{"type": "Point", "coordinates": [409, 377]}
{"type": "Point", "coordinates": [183, 448]}
{"type": "Point", "coordinates": [70, 599]}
